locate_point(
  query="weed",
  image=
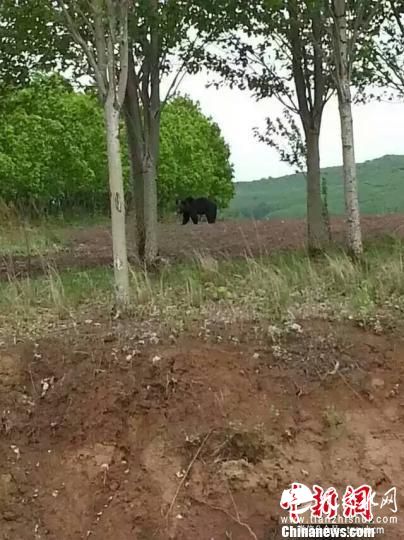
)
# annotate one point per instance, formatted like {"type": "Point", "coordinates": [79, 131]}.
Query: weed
{"type": "Point", "coordinates": [272, 288]}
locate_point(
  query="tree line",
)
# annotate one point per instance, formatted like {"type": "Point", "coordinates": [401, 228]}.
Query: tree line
{"type": "Point", "coordinates": [302, 52]}
{"type": "Point", "coordinates": [53, 153]}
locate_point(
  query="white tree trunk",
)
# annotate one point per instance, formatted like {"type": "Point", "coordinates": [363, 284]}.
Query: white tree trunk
{"type": "Point", "coordinates": [117, 200]}
{"type": "Point", "coordinates": [354, 235]}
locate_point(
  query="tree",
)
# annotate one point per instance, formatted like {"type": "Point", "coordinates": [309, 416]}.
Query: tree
{"type": "Point", "coordinates": [52, 147]}
{"type": "Point", "coordinates": [285, 136]}
{"type": "Point", "coordinates": [194, 158]}
{"type": "Point", "coordinates": [284, 53]}
{"type": "Point", "coordinates": [53, 151]}
{"type": "Point", "coordinates": [346, 41]}
{"type": "Point", "coordinates": [29, 39]}
{"type": "Point", "coordinates": [102, 35]}
{"type": "Point", "coordinates": [159, 37]}
{"type": "Point", "coordinates": [386, 57]}
{"type": "Point", "coordinates": [166, 38]}
{"type": "Point", "coordinates": [160, 44]}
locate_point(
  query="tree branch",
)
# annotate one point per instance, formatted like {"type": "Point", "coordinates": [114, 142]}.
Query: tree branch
{"type": "Point", "coordinates": [79, 39]}
{"type": "Point", "coordinates": [397, 16]}
{"type": "Point", "coordinates": [297, 66]}
{"type": "Point", "coordinates": [124, 52]}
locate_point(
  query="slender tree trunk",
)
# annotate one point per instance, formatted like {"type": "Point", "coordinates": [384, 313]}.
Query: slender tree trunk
{"type": "Point", "coordinates": [134, 130]}
{"type": "Point", "coordinates": [354, 234]}
{"type": "Point", "coordinates": [316, 225]}
{"type": "Point", "coordinates": [117, 201]}
{"type": "Point", "coordinates": [150, 209]}
{"type": "Point", "coordinates": [135, 218]}
{"type": "Point", "coordinates": [142, 218]}
{"type": "Point", "coordinates": [152, 150]}
{"type": "Point", "coordinates": [143, 130]}
{"type": "Point", "coordinates": [326, 210]}
{"type": "Point", "coordinates": [139, 210]}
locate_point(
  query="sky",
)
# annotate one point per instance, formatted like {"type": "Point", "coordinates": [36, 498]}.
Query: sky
{"type": "Point", "coordinates": [378, 129]}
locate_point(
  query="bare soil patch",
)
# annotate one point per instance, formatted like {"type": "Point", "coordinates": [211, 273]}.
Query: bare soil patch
{"type": "Point", "coordinates": [99, 427]}
{"type": "Point", "coordinates": [91, 247]}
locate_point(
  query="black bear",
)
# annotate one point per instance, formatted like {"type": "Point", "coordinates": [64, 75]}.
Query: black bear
{"type": "Point", "coordinates": [193, 208]}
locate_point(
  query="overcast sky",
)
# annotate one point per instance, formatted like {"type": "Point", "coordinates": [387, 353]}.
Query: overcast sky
{"type": "Point", "coordinates": [379, 129]}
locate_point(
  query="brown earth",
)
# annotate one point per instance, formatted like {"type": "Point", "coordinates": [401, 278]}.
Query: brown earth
{"type": "Point", "coordinates": [91, 247]}
{"type": "Point", "coordinates": [100, 427]}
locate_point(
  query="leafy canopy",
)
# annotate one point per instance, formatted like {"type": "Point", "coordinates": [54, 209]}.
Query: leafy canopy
{"type": "Point", "coordinates": [52, 150]}
{"type": "Point", "coordinates": [194, 158]}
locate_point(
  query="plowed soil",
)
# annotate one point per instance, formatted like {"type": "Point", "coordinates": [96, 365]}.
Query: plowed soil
{"type": "Point", "coordinates": [109, 434]}
{"type": "Point", "coordinates": [91, 247]}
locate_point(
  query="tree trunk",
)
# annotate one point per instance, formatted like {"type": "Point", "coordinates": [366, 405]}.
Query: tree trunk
{"type": "Point", "coordinates": [121, 271]}
{"type": "Point", "coordinates": [134, 130]}
{"type": "Point", "coordinates": [316, 225]}
{"type": "Point", "coordinates": [143, 128]}
{"type": "Point", "coordinates": [150, 209]}
{"type": "Point", "coordinates": [354, 235]}
{"type": "Point", "coordinates": [326, 211]}
{"type": "Point", "coordinates": [135, 218]}
{"type": "Point", "coordinates": [152, 146]}
{"type": "Point", "coordinates": [142, 217]}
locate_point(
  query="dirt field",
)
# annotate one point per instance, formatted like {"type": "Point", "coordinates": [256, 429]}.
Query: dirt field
{"type": "Point", "coordinates": [109, 431]}
{"type": "Point", "coordinates": [91, 247]}
{"type": "Point", "coordinates": [112, 432]}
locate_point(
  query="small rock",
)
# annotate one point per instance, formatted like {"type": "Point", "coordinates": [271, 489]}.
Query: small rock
{"type": "Point", "coordinates": [295, 327]}
{"type": "Point", "coordinates": [377, 383]}
{"type": "Point", "coordinates": [16, 450]}
{"type": "Point", "coordinates": [114, 485]}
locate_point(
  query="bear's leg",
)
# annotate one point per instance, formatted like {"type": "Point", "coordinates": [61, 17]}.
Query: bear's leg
{"type": "Point", "coordinates": [194, 218]}
{"type": "Point", "coordinates": [211, 215]}
{"type": "Point", "coordinates": [185, 218]}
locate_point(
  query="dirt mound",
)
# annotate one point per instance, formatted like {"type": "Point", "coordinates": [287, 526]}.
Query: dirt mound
{"type": "Point", "coordinates": [104, 438]}
{"type": "Point", "coordinates": [91, 247]}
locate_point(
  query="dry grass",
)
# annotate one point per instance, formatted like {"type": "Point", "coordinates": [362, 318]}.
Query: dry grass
{"type": "Point", "coordinates": [272, 289]}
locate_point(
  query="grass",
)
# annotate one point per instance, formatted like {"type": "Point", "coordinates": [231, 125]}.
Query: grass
{"type": "Point", "coordinates": [38, 236]}
{"type": "Point", "coordinates": [30, 240]}
{"type": "Point", "coordinates": [280, 287]}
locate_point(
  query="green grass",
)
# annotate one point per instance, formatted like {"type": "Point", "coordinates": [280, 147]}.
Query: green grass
{"type": "Point", "coordinates": [381, 191]}
{"type": "Point", "coordinates": [31, 239]}
{"type": "Point", "coordinates": [41, 235]}
{"type": "Point", "coordinates": [271, 289]}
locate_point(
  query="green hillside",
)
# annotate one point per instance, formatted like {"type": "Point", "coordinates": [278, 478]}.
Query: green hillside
{"type": "Point", "coordinates": [381, 191]}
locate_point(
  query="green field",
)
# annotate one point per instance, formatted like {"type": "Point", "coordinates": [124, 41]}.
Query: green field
{"type": "Point", "coordinates": [381, 191]}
